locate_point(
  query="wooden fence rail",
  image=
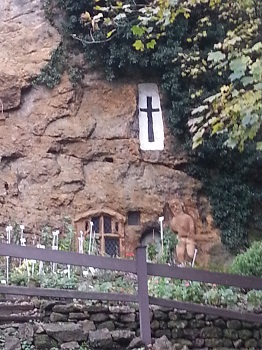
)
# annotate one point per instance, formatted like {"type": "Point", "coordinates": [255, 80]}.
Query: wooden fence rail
{"type": "Point", "coordinates": [67, 258]}
{"type": "Point", "coordinates": [142, 269]}
{"type": "Point", "coordinates": [225, 279]}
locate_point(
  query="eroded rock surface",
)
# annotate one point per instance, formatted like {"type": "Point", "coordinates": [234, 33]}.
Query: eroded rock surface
{"type": "Point", "coordinates": [65, 151]}
{"type": "Point", "coordinates": [26, 38]}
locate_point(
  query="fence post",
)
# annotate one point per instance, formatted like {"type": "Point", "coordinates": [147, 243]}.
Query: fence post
{"type": "Point", "coordinates": [143, 298]}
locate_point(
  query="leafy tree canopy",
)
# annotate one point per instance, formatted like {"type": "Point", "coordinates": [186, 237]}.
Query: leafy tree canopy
{"type": "Point", "coordinates": [235, 109]}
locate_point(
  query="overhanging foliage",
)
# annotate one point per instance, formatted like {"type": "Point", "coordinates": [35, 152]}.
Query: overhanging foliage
{"type": "Point", "coordinates": [176, 63]}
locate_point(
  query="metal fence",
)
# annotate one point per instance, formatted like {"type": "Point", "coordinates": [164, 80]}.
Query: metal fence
{"type": "Point", "coordinates": [142, 269]}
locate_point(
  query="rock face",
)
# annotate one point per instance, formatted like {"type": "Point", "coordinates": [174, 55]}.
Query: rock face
{"type": "Point", "coordinates": [67, 151]}
{"type": "Point", "coordinates": [26, 39]}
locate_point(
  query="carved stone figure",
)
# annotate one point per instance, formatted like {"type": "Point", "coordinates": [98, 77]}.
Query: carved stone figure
{"type": "Point", "coordinates": [183, 224]}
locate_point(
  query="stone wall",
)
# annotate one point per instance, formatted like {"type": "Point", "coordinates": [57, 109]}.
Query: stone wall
{"type": "Point", "coordinates": [104, 326]}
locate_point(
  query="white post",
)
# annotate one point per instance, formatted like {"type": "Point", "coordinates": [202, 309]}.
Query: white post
{"type": "Point", "coordinates": [8, 241]}
{"type": "Point", "coordinates": [55, 247]}
{"type": "Point", "coordinates": [92, 240]}
{"type": "Point", "coordinates": [81, 243]}
{"type": "Point", "coordinates": [41, 264]}
{"type": "Point", "coordinates": [23, 244]}
{"type": "Point", "coordinates": [161, 219]}
{"type": "Point", "coordinates": [90, 237]}
{"type": "Point", "coordinates": [194, 258]}
{"type": "Point", "coordinates": [33, 262]}
{"type": "Point", "coordinates": [8, 236]}
{"type": "Point", "coordinates": [22, 227]}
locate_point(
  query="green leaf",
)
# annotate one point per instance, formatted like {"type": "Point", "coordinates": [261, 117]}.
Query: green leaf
{"type": "Point", "coordinates": [246, 120]}
{"type": "Point", "coordinates": [236, 75]}
{"type": "Point", "coordinates": [151, 44]}
{"type": "Point", "coordinates": [138, 45]}
{"type": "Point", "coordinates": [216, 56]}
{"type": "Point", "coordinates": [210, 99]}
{"type": "Point", "coordinates": [231, 143]}
{"type": "Point", "coordinates": [256, 69]}
{"type": "Point", "coordinates": [199, 109]}
{"type": "Point", "coordinates": [238, 67]}
{"type": "Point", "coordinates": [258, 86]}
{"type": "Point", "coordinates": [217, 128]}
{"type": "Point", "coordinates": [259, 146]}
{"type": "Point", "coordinates": [194, 121]}
{"type": "Point", "coordinates": [247, 80]}
{"type": "Point", "coordinates": [109, 34]}
{"type": "Point", "coordinates": [138, 31]}
{"type": "Point", "coordinates": [257, 46]}
{"type": "Point", "coordinates": [198, 138]}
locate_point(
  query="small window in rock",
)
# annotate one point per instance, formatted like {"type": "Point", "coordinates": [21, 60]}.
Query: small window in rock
{"type": "Point", "coordinates": [133, 218]}
{"type": "Point", "coordinates": [109, 160]}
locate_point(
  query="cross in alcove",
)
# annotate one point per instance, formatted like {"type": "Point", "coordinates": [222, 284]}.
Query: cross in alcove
{"type": "Point", "coordinates": [149, 110]}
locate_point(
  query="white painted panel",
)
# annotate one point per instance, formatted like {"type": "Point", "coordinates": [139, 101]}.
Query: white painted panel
{"type": "Point", "coordinates": [151, 127]}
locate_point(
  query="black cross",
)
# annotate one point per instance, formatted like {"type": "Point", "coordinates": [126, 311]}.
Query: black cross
{"type": "Point", "coordinates": [149, 110]}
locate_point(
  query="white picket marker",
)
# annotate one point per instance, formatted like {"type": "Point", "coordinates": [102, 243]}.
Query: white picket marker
{"type": "Point", "coordinates": [8, 229]}
{"type": "Point", "coordinates": [22, 227]}
{"type": "Point", "coordinates": [81, 243]}
{"type": "Point", "coordinates": [194, 258]}
{"type": "Point", "coordinates": [55, 247]}
{"type": "Point", "coordinates": [23, 244]}
{"type": "Point", "coordinates": [90, 237]}
{"type": "Point", "coordinates": [41, 264]}
{"type": "Point", "coordinates": [161, 219]}
{"type": "Point", "coordinates": [32, 261]}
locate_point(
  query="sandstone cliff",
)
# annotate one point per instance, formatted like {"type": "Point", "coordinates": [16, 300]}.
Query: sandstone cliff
{"type": "Point", "coordinates": [65, 151]}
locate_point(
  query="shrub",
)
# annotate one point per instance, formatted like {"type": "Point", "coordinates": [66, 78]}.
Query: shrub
{"type": "Point", "coordinates": [250, 262]}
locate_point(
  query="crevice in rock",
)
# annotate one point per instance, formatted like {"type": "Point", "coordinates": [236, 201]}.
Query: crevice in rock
{"type": "Point", "coordinates": [25, 91]}
{"type": "Point", "coordinates": [174, 166]}
{"type": "Point", "coordinates": [55, 148]}
{"type": "Point", "coordinates": [74, 186]}
{"type": "Point", "coordinates": [98, 157]}
{"type": "Point", "coordinates": [18, 16]}
{"type": "Point", "coordinates": [113, 138]}
{"type": "Point", "coordinates": [6, 159]}
{"type": "Point", "coordinates": [108, 160]}
{"type": "Point", "coordinates": [91, 131]}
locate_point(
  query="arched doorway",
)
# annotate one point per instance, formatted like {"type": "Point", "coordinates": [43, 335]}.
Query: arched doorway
{"type": "Point", "coordinates": [152, 240]}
